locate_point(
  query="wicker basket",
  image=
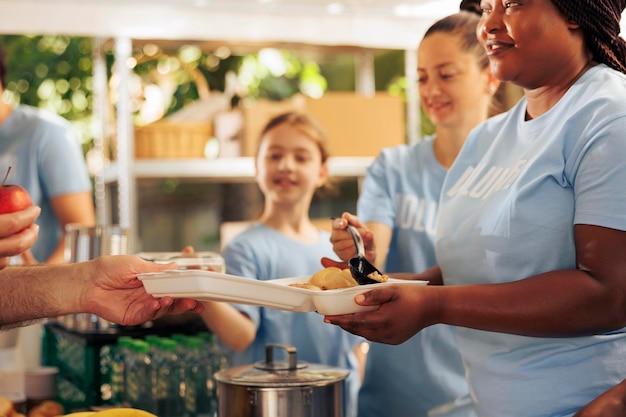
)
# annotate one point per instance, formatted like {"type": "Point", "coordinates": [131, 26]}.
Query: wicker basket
{"type": "Point", "coordinates": [172, 140]}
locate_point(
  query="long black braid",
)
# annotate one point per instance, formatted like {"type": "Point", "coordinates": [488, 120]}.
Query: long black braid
{"type": "Point", "coordinates": [600, 22]}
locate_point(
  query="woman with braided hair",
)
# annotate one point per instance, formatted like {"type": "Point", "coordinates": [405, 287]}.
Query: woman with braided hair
{"type": "Point", "coordinates": [531, 232]}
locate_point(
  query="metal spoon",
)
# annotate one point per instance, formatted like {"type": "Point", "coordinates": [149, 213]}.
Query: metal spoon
{"type": "Point", "coordinates": [360, 267]}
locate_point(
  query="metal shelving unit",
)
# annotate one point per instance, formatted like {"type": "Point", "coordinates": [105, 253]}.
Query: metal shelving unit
{"type": "Point", "coordinates": [239, 169]}
{"type": "Point", "coordinates": [359, 26]}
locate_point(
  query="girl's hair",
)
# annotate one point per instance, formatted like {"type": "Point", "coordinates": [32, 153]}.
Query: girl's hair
{"type": "Point", "coordinates": [600, 23]}
{"type": "Point", "coordinates": [303, 122]}
{"type": "Point", "coordinates": [463, 25]}
{"type": "Point", "coordinates": [310, 127]}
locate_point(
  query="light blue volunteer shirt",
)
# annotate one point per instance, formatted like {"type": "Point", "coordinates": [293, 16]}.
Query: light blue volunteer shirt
{"type": "Point", "coordinates": [263, 253]}
{"type": "Point", "coordinates": [401, 190]}
{"type": "Point", "coordinates": [46, 159]}
{"type": "Point", "coordinates": [508, 210]}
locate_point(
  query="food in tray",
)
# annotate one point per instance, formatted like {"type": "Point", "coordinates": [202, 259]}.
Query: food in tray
{"type": "Point", "coordinates": [333, 278]}
{"type": "Point", "coordinates": [47, 408]}
{"type": "Point", "coordinates": [330, 278]}
{"type": "Point", "coordinates": [378, 277]}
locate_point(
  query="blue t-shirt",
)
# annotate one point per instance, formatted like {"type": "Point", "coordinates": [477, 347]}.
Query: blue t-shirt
{"type": "Point", "coordinates": [263, 253]}
{"type": "Point", "coordinates": [46, 159]}
{"type": "Point", "coordinates": [401, 190]}
{"type": "Point", "coordinates": [508, 210]}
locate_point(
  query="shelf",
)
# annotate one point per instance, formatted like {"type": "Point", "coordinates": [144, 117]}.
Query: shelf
{"type": "Point", "coordinates": [239, 169]}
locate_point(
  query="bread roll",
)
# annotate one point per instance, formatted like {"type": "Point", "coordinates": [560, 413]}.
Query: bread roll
{"type": "Point", "coordinates": [333, 278]}
{"type": "Point", "coordinates": [47, 408]}
{"type": "Point", "coordinates": [6, 407]}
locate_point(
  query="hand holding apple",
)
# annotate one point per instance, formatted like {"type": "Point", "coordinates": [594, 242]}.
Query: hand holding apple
{"type": "Point", "coordinates": [17, 229]}
{"type": "Point", "coordinates": [13, 197]}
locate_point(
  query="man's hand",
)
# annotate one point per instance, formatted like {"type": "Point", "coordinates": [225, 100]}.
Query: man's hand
{"type": "Point", "coordinates": [114, 292]}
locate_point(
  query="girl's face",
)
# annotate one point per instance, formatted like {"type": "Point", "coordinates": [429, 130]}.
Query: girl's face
{"type": "Point", "coordinates": [289, 166]}
{"type": "Point", "coordinates": [453, 89]}
{"type": "Point", "coordinates": [528, 42]}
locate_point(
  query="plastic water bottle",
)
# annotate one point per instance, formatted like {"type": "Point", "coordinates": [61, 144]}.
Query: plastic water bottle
{"type": "Point", "coordinates": [138, 377]}
{"type": "Point", "coordinates": [167, 380]}
{"type": "Point", "coordinates": [197, 374]}
{"type": "Point", "coordinates": [121, 350]}
{"type": "Point", "coordinates": [218, 360]}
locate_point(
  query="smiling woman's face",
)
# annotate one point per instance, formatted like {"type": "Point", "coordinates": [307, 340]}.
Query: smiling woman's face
{"type": "Point", "coordinates": [453, 88]}
{"type": "Point", "coordinates": [528, 42]}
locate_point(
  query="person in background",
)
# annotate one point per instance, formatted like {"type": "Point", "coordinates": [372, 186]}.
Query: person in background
{"type": "Point", "coordinates": [290, 168]}
{"type": "Point", "coordinates": [398, 208]}
{"type": "Point", "coordinates": [107, 286]}
{"type": "Point", "coordinates": [46, 159]}
{"type": "Point", "coordinates": [531, 233]}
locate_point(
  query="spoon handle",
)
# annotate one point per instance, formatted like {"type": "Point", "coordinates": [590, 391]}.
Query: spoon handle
{"type": "Point", "coordinates": [358, 241]}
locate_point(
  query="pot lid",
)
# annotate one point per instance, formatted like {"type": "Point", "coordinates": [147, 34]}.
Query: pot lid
{"type": "Point", "coordinates": [275, 374]}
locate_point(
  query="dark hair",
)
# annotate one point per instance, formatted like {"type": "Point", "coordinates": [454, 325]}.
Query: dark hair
{"type": "Point", "coordinates": [3, 68]}
{"type": "Point", "coordinates": [600, 23]}
{"type": "Point", "coordinates": [471, 6]}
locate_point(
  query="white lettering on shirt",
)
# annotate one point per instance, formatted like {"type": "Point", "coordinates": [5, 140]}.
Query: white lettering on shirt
{"type": "Point", "coordinates": [481, 181]}
{"type": "Point", "coordinates": [416, 214]}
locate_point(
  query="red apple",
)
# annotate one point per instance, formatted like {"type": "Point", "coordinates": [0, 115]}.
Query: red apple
{"type": "Point", "coordinates": [13, 197]}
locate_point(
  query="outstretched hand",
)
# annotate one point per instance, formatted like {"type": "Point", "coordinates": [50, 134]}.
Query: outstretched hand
{"type": "Point", "coordinates": [327, 263]}
{"type": "Point", "coordinates": [116, 294]}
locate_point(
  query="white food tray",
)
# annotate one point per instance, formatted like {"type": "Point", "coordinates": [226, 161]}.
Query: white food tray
{"type": "Point", "coordinates": [276, 294]}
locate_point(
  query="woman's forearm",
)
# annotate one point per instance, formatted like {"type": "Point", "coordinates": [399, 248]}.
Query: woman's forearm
{"type": "Point", "coordinates": [233, 328]}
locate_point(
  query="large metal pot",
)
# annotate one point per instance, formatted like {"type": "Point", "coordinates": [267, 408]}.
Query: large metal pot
{"type": "Point", "coordinates": [281, 389]}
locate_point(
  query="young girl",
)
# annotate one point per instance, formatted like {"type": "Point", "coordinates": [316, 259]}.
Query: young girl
{"type": "Point", "coordinates": [290, 168]}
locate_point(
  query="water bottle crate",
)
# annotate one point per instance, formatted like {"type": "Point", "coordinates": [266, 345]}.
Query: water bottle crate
{"type": "Point", "coordinates": [79, 357]}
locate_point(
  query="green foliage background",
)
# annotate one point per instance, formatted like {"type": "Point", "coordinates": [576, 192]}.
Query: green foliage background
{"type": "Point", "coordinates": [52, 72]}
{"type": "Point", "coordinates": [55, 73]}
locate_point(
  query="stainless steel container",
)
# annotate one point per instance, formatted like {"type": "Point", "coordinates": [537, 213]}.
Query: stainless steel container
{"type": "Point", "coordinates": [83, 243]}
{"type": "Point", "coordinates": [281, 389]}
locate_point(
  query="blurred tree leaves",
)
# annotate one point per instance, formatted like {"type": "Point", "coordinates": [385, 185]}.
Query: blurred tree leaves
{"type": "Point", "coordinates": [52, 72]}
{"type": "Point", "coordinates": [55, 73]}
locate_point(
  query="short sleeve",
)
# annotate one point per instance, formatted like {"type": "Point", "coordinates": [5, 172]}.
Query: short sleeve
{"type": "Point", "coordinates": [376, 204]}
{"type": "Point", "coordinates": [599, 178]}
{"type": "Point", "coordinates": [240, 260]}
{"type": "Point", "coordinates": [61, 162]}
